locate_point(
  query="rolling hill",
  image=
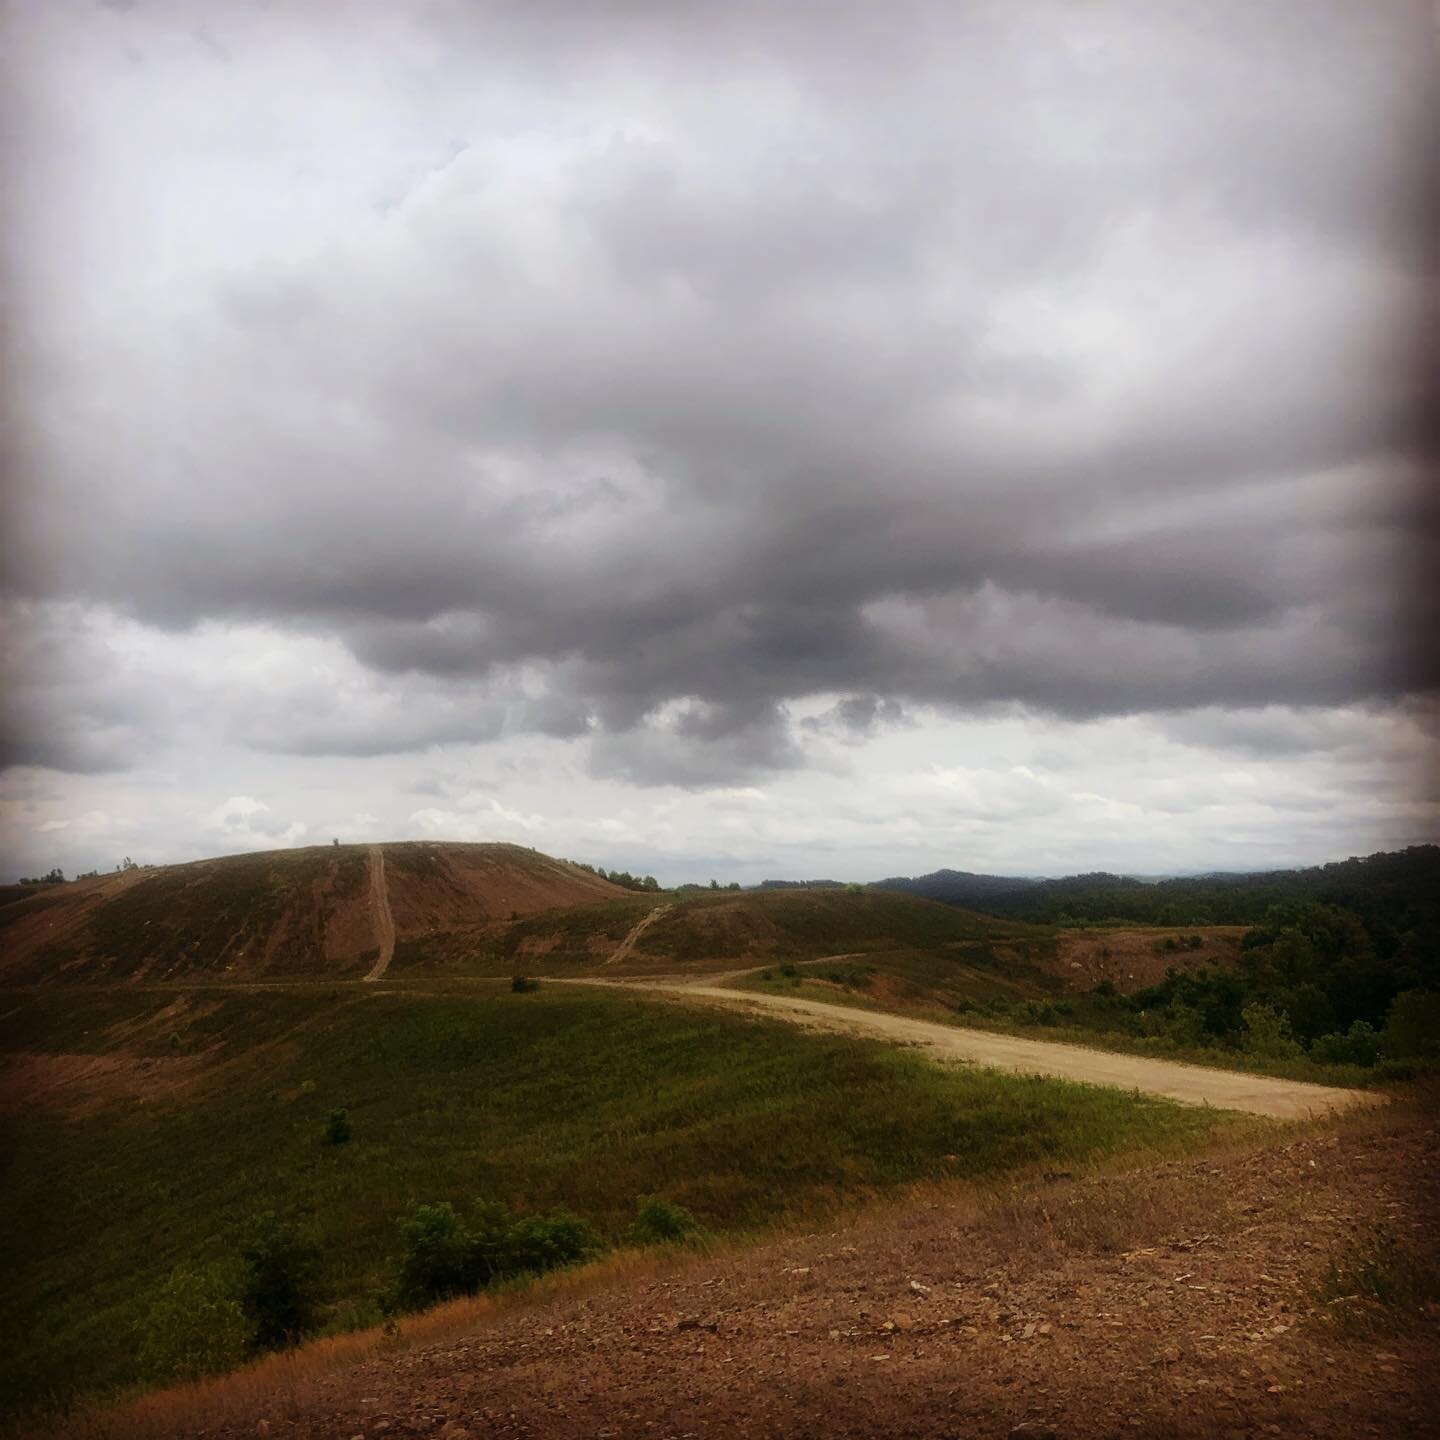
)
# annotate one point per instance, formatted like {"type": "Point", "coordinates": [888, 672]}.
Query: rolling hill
{"type": "Point", "coordinates": [314, 912]}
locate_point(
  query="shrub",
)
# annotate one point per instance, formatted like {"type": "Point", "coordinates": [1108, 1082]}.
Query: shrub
{"type": "Point", "coordinates": [1038, 1012]}
{"type": "Point", "coordinates": [1359, 1045]}
{"type": "Point", "coordinates": [337, 1128]}
{"type": "Point", "coordinates": [523, 985]}
{"type": "Point", "coordinates": [1184, 1024]}
{"type": "Point", "coordinates": [789, 971]}
{"type": "Point", "coordinates": [661, 1222]}
{"type": "Point", "coordinates": [194, 1324]}
{"type": "Point", "coordinates": [1106, 988]}
{"type": "Point", "coordinates": [538, 1243]}
{"type": "Point", "coordinates": [446, 1256]}
{"type": "Point", "coordinates": [438, 1261]}
{"type": "Point", "coordinates": [1412, 1029]}
{"type": "Point", "coordinates": [278, 1292]}
{"type": "Point", "coordinates": [1267, 1033]}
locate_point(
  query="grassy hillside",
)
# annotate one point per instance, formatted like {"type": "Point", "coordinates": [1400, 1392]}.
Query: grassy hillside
{"type": "Point", "coordinates": [284, 913]}
{"type": "Point", "coordinates": [153, 1125]}
{"type": "Point", "coordinates": [703, 932]}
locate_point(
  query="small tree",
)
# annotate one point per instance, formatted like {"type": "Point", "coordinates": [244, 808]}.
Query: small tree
{"type": "Point", "coordinates": [278, 1295]}
{"type": "Point", "coordinates": [439, 1257]}
{"type": "Point", "coordinates": [337, 1128]}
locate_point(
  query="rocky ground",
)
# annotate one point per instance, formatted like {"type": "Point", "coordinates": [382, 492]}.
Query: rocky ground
{"type": "Point", "coordinates": [1175, 1300]}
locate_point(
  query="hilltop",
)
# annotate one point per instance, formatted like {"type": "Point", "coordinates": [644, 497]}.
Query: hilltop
{"type": "Point", "coordinates": [315, 912]}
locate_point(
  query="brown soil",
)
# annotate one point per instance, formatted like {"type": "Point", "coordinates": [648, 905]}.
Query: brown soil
{"type": "Point", "coordinates": [303, 912]}
{"type": "Point", "coordinates": [1131, 959]}
{"type": "Point", "coordinates": [1172, 1301]}
{"type": "Point", "coordinates": [448, 887]}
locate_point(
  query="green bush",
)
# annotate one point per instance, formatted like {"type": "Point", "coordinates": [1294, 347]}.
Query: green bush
{"type": "Point", "coordinates": [278, 1292]}
{"type": "Point", "coordinates": [661, 1222]}
{"type": "Point", "coordinates": [523, 985]}
{"type": "Point", "coordinates": [538, 1243]}
{"type": "Point", "coordinates": [194, 1324]}
{"type": "Point", "coordinates": [1267, 1033]}
{"type": "Point", "coordinates": [1184, 1024]}
{"type": "Point", "coordinates": [438, 1259]}
{"type": "Point", "coordinates": [1359, 1045]}
{"type": "Point", "coordinates": [1412, 1028]}
{"type": "Point", "coordinates": [337, 1128]}
{"type": "Point", "coordinates": [446, 1256]}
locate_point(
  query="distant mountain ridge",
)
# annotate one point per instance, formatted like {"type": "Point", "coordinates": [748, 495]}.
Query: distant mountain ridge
{"type": "Point", "coordinates": [1405, 883]}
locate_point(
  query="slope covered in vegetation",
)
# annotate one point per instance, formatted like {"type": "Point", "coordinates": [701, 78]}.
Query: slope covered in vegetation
{"type": "Point", "coordinates": [175, 1123]}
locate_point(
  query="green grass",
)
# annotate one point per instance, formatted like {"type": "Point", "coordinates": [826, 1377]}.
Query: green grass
{"type": "Point", "coordinates": [961, 988]}
{"type": "Point", "coordinates": [804, 924]}
{"type": "Point", "coordinates": [696, 931]}
{"type": "Point", "coordinates": [564, 1097]}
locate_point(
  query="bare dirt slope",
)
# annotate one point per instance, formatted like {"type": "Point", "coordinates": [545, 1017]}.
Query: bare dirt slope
{"type": "Point", "coordinates": [1176, 1300]}
{"type": "Point", "coordinates": [623, 949]}
{"type": "Point", "coordinates": [1189, 1084]}
{"type": "Point", "coordinates": [278, 914]}
{"type": "Point", "coordinates": [1131, 957]}
{"type": "Point", "coordinates": [380, 908]}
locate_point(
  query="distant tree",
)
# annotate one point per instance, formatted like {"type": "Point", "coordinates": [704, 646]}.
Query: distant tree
{"type": "Point", "coordinates": [335, 841]}
{"type": "Point", "coordinates": [714, 884]}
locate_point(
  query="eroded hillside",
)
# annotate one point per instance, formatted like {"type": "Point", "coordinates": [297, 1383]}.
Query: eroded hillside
{"type": "Point", "coordinates": [306, 912]}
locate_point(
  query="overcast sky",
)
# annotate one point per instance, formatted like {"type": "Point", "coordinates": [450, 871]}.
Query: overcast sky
{"type": "Point", "coordinates": [747, 439]}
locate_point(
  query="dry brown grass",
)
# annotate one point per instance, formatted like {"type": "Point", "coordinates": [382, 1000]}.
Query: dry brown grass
{"type": "Point", "coordinates": [277, 1386]}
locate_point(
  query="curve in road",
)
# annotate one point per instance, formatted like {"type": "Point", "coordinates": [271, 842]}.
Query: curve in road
{"type": "Point", "coordinates": [1188, 1084]}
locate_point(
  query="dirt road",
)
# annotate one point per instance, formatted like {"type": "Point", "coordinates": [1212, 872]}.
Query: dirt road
{"type": "Point", "coordinates": [628, 943]}
{"type": "Point", "coordinates": [1189, 1084]}
{"type": "Point", "coordinates": [380, 909]}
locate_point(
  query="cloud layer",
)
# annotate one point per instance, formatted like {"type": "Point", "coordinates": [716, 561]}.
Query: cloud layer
{"type": "Point", "coordinates": [661, 382]}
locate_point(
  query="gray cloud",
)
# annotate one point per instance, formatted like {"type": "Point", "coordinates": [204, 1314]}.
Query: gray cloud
{"type": "Point", "coordinates": [607, 375]}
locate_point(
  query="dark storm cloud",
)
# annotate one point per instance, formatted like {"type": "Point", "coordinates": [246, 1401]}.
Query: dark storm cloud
{"type": "Point", "coordinates": [633, 374]}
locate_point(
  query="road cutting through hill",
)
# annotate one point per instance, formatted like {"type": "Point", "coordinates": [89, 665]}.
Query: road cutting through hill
{"type": "Point", "coordinates": [380, 909]}
{"type": "Point", "coordinates": [1187, 1084]}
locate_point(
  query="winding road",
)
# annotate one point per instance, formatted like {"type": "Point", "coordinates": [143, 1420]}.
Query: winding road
{"type": "Point", "coordinates": [1188, 1084]}
{"type": "Point", "coordinates": [380, 910]}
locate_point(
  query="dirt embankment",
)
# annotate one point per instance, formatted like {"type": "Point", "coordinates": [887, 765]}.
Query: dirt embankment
{"type": "Point", "coordinates": [1132, 958]}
